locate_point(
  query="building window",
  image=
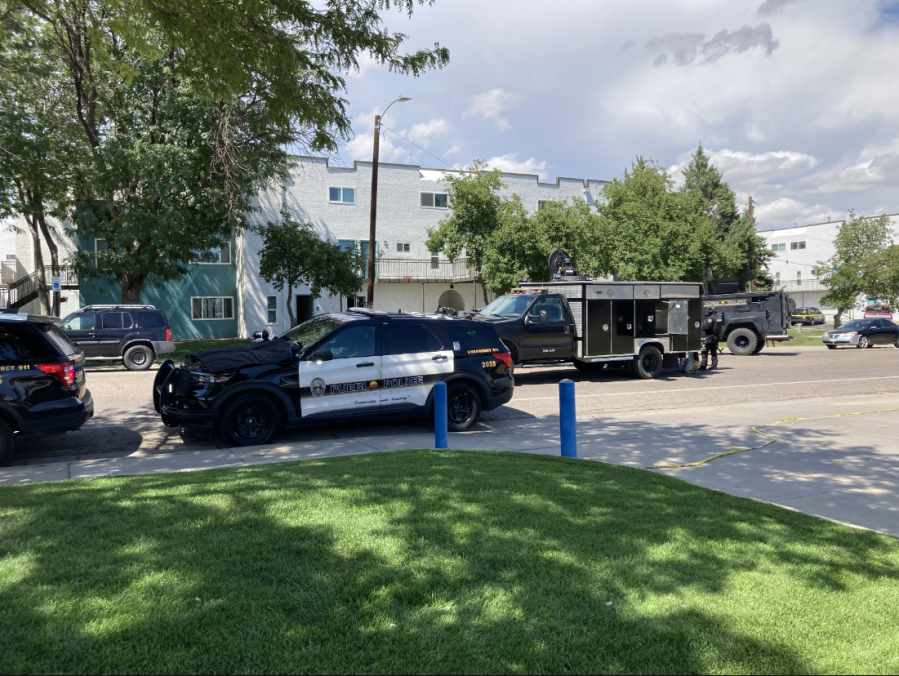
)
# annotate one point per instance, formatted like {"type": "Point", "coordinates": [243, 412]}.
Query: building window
{"type": "Point", "coordinates": [797, 245]}
{"type": "Point", "coordinates": [541, 204]}
{"type": "Point", "coordinates": [211, 307]}
{"type": "Point", "coordinates": [777, 278]}
{"type": "Point", "coordinates": [220, 256]}
{"type": "Point", "coordinates": [799, 277]}
{"type": "Point", "coordinates": [342, 195]}
{"type": "Point", "coordinates": [435, 200]}
{"type": "Point", "coordinates": [272, 309]}
{"type": "Point", "coordinates": [435, 261]}
{"type": "Point", "coordinates": [403, 247]}
{"type": "Point", "coordinates": [358, 301]}
{"type": "Point", "coordinates": [101, 246]}
{"type": "Point", "coordinates": [779, 247]}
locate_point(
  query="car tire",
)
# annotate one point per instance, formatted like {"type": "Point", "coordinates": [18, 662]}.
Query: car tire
{"type": "Point", "coordinates": [759, 347]}
{"type": "Point", "coordinates": [863, 342]}
{"type": "Point", "coordinates": [648, 364]}
{"type": "Point", "coordinates": [742, 342]}
{"type": "Point", "coordinates": [629, 369]}
{"type": "Point", "coordinates": [834, 347]}
{"type": "Point", "coordinates": [250, 420]}
{"type": "Point", "coordinates": [138, 358]}
{"type": "Point", "coordinates": [463, 407]}
{"type": "Point", "coordinates": [6, 442]}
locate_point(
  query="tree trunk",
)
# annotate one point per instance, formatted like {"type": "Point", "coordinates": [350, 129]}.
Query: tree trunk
{"type": "Point", "coordinates": [131, 286]}
{"type": "Point", "coordinates": [54, 255]}
{"type": "Point", "coordinates": [484, 291]}
{"type": "Point", "coordinates": [43, 292]}
{"type": "Point", "coordinates": [293, 321]}
{"type": "Point", "coordinates": [838, 317]}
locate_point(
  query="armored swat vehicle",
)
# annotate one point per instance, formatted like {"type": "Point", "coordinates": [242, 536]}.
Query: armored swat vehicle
{"type": "Point", "coordinates": [638, 325]}
{"type": "Point", "coordinates": [751, 318]}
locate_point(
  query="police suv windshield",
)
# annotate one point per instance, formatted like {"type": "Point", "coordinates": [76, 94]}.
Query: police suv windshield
{"type": "Point", "coordinates": [511, 305]}
{"type": "Point", "coordinates": [856, 324]}
{"type": "Point", "coordinates": [313, 330]}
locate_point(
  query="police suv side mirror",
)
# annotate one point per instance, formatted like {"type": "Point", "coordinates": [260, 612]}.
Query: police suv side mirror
{"type": "Point", "coordinates": [296, 349]}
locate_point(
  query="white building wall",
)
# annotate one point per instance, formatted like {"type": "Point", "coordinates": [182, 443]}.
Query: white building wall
{"type": "Point", "coordinates": [401, 218]}
{"type": "Point", "coordinates": [796, 266]}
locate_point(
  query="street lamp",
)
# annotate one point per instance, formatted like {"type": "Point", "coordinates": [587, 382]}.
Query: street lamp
{"type": "Point", "coordinates": [372, 241]}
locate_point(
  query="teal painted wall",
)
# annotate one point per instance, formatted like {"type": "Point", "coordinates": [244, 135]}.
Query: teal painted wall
{"type": "Point", "coordinates": [173, 298]}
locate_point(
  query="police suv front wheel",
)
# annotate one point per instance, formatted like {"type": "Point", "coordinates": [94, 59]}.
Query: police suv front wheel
{"type": "Point", "coordinates": [250, 420]}
{"type": "Point", "coordinates": [463, 407]}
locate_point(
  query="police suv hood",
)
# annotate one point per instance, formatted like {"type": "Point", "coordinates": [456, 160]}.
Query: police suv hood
{"type": "Point", "coordinates": [229, 359]}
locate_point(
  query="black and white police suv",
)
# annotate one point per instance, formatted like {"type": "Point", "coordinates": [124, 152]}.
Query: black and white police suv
{"type": "Point", "coordinates": [353, 366]}
{"type": "Point", "coordinates": [42, 383]}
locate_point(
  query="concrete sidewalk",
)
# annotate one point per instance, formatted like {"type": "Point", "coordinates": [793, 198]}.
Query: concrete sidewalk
{"type": "Point", "coordinates": [841, 467]}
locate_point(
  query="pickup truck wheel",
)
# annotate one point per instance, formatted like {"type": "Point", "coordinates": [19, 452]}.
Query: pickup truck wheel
{"type": "Point", "coordinates": [629, 368]}
{"type": "Point", "coordinates": [463, 407]}
{"type": "Point", "coordinates": [138, 358]}
{"type": "Point", "coordinates": [648, 364]}
{"type": "Point", "coordinates": [742, 342]}
{"type": "Point", "coordinates": [6, 442]}
{"type": "Point", "coordinates": [250, 420]}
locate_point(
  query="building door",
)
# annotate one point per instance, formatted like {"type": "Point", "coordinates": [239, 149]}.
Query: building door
{"type": "Point", "coordinates": [304, 308]}
{"type": "Point", "coordinates": [342, 376]}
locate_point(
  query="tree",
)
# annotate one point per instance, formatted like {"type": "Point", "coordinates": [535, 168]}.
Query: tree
{"type": "Point", "coordinates": [41, 156]}
{"type": "Point", "coordinates": [185, 110]}
{"type": "Point", "coordinates": [475, 215]}
{"type": "Point", "coordinates": [653, 232]}
{"type": "Point", "coordinates": [863, 264]}
{"type": "Point", "coordinates": [522, 244]}
{"type": "Point", "coordinates": [292, 253]}
{"type": "Point", "coordinates": [734, 230]}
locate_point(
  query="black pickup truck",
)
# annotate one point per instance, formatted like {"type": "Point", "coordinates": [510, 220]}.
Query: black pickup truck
{"type": "Point", "coordinates": [637, 325]}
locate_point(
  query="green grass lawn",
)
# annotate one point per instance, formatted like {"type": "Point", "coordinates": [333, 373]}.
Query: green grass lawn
{"type": "Point", "coordinates": [809, 336]}
{"type": "Point", "coordinates": [423, 562]}
{"type": "Point", "coordinates": [182, 349]}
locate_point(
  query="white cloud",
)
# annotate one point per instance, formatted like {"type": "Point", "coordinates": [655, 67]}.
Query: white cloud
{"type": "Point", "coordinates": [739, 167]}
{"type": "Point", "coordinates": [510, 163]}
{"type": "Point", "coordinates": [881, 171]}
{"type": "Point", "coordinates": [788, 211]}
{"type": "Point", "coordinates": [685, 48]}
{"type": "Point", "coordinates": [452, 151]}
{"type": "Point", "coordinates": [362, 145]}
{"type": "Point", "coordinates": [367, 63]}
{"type": "Point", "coordinates": [424, 133]}
{"type": "Point", "coordinates": [773, 6]}
{"type": "Point", "coordinates": [491, 105]}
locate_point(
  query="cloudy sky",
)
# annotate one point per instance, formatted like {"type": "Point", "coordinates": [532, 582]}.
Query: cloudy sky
{"type": "Point", "coordinates": [797, 101]}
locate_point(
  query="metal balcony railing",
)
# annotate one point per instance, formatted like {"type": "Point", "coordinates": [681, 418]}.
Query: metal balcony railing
{"type": "Point", "coordinates": [25, 288]}
{"type": "Point", "coordinates": [793, 285]}
{"type": "Point", "coordinates": [423, 270]}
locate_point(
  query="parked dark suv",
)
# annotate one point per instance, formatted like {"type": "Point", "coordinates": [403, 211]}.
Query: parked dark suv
{"type": "Point", "coordinates": [341, 367]}
{"type": "Point", "coordinates": [42, 383]}
{"type": "Point", "coordinates": [136, 334]}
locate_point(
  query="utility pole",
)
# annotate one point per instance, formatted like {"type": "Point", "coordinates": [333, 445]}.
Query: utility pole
{"type": "Point", "coordinates": [372, 235]}
{"type": "Point", "coordinates": [372, 242]}
{"type": "Point", "coordinates": [752, 223]}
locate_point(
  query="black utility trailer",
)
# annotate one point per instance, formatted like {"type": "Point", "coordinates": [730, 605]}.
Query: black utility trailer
{"type": "Point", "coordinates": [640, 325]}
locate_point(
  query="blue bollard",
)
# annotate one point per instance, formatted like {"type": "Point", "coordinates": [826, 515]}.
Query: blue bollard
{"type": "Point", "coordinates": [440, 418]}
{"type": "Point", "coordinates": [567, 419]}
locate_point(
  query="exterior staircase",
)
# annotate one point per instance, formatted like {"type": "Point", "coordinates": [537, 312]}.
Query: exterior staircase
{"type": "Point", "coordinates": [25, 289]}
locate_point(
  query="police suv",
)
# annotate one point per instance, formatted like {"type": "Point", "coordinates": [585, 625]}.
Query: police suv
{"type": "Point", "coordinates": [42, 382]}
{"type": "Point", "coordinates": [353, 366]}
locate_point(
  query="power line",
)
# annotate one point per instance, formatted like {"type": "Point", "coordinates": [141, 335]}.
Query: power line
{"type": "Point", "coordinates": [383, 126]}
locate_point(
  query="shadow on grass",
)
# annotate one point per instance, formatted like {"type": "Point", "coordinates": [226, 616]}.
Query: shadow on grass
{"type": "Point", "coordinates": [419, 562]}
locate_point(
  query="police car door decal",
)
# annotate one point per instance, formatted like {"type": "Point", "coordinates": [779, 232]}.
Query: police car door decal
{"type": "Point", "coordinates": [409, 368]}
{"type": "Point", "coordinates": [349, 381]}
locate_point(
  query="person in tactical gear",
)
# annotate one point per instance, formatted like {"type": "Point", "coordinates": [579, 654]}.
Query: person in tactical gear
{"type": "Point", "coordinates": [711, 328]}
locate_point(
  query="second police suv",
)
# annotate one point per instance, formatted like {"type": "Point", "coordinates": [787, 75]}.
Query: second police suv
{"type": "Point", "coordinates": [342, 367]}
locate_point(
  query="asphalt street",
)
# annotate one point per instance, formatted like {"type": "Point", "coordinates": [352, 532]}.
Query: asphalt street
{"type": "Point", "coordinates": [125, 421]}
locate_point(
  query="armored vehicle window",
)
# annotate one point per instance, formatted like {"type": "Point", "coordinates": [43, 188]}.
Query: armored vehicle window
{"type": "Point", "coordinates": [356, 341]}
{"type": "Point", "coordinates": [404, 339]}
{"type": "Point", "coordinates": [19, 344]}
{"type": "Point", "coordinates": [151, 320]}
